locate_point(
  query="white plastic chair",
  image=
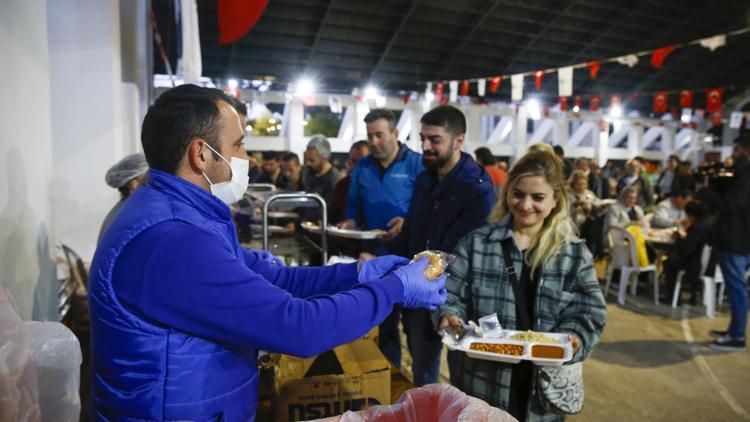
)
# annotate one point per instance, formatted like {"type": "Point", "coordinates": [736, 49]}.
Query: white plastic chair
{"type": "Point", "coordinates": [709, 284]}
{"type": "Point", "coordinates": [623, 257]}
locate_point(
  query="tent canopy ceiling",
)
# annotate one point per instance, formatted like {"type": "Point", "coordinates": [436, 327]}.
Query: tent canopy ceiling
{"type": "Point", "coordinates": [398, 44]}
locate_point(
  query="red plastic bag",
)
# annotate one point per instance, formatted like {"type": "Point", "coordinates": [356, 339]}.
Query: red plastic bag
{"type": "Point", "coordinates": [433, 402]}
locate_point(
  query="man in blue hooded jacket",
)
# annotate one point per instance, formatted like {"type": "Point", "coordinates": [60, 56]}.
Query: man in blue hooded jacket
{"type": "Point", "coordinates": [179, 309]}
{"type": "Point", "coordinates": [451, 198]}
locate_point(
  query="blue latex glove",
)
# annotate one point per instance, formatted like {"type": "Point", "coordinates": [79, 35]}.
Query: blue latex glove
{"type": "Point", "coordinates": [376, 268]}
{"type": "Point", "coordinates": [418, 291]}
{"type": "Point", "coordinates": [268, 257]}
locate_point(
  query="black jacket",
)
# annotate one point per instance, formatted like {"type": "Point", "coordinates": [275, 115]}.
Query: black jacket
{"type": "Point", "coordinates": [442, 212]}
{"type": "Point", "coordinates": [731, 201]}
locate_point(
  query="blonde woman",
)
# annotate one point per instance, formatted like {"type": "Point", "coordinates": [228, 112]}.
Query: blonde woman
{"type": "Point", "coordinates": [583, 202]}
{"type": "Point", "coordinates": [557, 286]}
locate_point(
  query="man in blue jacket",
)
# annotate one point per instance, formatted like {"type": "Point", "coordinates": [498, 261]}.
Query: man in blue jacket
{"type": "Point", "coordinates": [451, 198]}
{"type": "Point", "coordinates": [179, 309]}
{"type": "Point", "coordinates": [379, 194]}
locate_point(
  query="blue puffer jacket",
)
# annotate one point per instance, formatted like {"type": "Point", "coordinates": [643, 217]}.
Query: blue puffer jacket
{"type": "Point", "coordinates": [442, 212]}
{"type": "Point", "coordinates": [179, 309]}
{"type": "Point", "coordinates": [375, 197]}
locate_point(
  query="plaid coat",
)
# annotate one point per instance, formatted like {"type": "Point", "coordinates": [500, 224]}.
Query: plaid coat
{"type": "Point", "coordinates": [568, 299]}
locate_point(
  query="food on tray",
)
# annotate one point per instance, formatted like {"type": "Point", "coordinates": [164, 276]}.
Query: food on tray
{"type": "Point", "coordinates": [547, 352]}
{"type": "Point", "coordinates": [502, 349]}
{"type": "Point", "coordinates": [436, 266]}
{"type": "Point", "coordinates": [533, 336]}
{"type": "Point", "coordinates": [378, 232]}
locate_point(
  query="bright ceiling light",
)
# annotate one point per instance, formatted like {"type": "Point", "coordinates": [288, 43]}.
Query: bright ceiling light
{"type": "Point", "coordinates": [615, 111]}
{"type": "Point", "coordinates": [534, 109]}
{"type": "Point", "coordinates": [233, 83]}
{"type": "Point", "coordinates": [380, 101]}
{"type": "Point", "coordinates": [371, 92]}
{"type": "Point", "coordinates": [304, 87]}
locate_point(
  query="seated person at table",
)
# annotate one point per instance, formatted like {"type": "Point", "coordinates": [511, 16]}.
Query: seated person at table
{"type": "Point", "coordinates": [583, 202]}
{"type": "Point", "coordinates": [671, 211]}
{"type": "Point", "coordinates": [625, 211]}
{"type": "Point", "coordinates": [687, 250]}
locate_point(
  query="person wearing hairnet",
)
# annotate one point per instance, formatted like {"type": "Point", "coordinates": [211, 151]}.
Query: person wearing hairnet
{"type": "Point", "coordinates": [179, 309]}
{"type": "Point", "coordinates": [125, 176]}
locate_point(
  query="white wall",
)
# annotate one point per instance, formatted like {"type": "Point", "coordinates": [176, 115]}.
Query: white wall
{"type": "Point", "coordinates": [26, 222]}
{"type": "Point", "coordinates": [71, 107]}
{"type": "Point", "coordinates": [95, 115]}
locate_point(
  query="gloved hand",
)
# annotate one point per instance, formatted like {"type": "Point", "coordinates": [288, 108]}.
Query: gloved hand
{"type": "Point", "coordinates": [268, 257]}
{"type": "Point", "coordinates": [376, 268]}
{"type": "Point", "coordinates": [418, 291]}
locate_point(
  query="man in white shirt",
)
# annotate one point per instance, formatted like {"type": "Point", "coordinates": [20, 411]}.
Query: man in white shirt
{"type": "Point", "coordinates": [671, 211]}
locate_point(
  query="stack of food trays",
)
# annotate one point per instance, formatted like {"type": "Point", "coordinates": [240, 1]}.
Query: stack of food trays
{"type": "Point", "coordinates": [544, 349]}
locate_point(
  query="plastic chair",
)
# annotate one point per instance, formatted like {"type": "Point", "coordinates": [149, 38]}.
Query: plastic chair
{"type": "Point", "coordinates": [709, 284]}
{"type": "Point", "coordinates": [623, 257]}
{"type": "Point", "coordinates": [73, 294]}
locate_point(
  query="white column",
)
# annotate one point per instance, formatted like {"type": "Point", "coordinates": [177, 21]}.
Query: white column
{"type": "Point", "coordinates": [635, 140]}
{"type": "Point", "coordinates": [519, 132]}
{"type": "Point", "coordinates": [27, 235]}
{"type": "Point", "coordinates": [92, 126]}
{"type": "Point", "coordinates": [296, 130]}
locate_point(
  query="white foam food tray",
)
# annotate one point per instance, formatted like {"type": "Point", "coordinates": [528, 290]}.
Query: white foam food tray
{"type": "Point", "coordinates": [464, 345]}
{"type": "Point", "coordinates": [344, 233]}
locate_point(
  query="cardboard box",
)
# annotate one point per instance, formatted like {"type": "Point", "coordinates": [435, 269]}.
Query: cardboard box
{"type": "Point", "coordinates": [353, 376]}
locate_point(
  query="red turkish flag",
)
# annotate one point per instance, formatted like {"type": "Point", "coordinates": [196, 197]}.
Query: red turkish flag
{"type": "Point", "coordinates": [686, 98]}
{"type": "Point", "coordinates": [595, 103]}
{"type": "Point", "coordinates": [464, 91]}
{"type": "Point", "coordinates": [660, 102]}
{"type": "Point", "coordinates": [594, 68]}
{"type": "Point", "coordinates": [563, 103]}
{"type": "Point", "coordinates": [615, 99]}
{"type": "Point", "coordinates": [713, 99]}
{"type": "Point", "coordinates": [538, 79]}
{"type": "Point", "coordinates": [439, 88]}
{"type": "Point", "coordinates": [236, 17]}
{"type": "Point", "coordinates": [495, 83]}
{"type": "Point", "coordinates": [658, 56]}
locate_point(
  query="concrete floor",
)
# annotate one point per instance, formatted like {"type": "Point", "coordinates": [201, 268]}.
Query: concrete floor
{"type": "Point", "coordinates": [653, 364]}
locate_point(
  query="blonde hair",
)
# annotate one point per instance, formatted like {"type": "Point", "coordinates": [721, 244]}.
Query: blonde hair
{"type": "Point", "coordinates": [578, 175]}
{"type": "Point", "coordinates": [557, 229]}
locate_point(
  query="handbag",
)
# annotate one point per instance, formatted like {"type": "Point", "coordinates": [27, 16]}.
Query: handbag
{"type": "Point", "coordinates": [559, 388]}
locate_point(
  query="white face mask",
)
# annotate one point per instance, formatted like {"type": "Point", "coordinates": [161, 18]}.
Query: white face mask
{"type": "Point", "coordinates": [232, 190]}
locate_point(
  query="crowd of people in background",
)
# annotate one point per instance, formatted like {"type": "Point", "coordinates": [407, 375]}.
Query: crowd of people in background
{"type": "Point", "coordinates": [545, 208]}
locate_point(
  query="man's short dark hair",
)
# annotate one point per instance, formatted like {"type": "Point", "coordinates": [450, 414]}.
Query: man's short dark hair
{"type": "Point", "coordinates": [449, 117]}
{"type": "Point", "coordinates": [681, 194]}
{"type": "Point", "coordinates": [743, 140]}
{"type": "Point", "coordinates": [360, 145]}
{"type": "Point", "coordinates": [559, 151]}
{"type": "Point", "coordinates": [271, 156]}
{"type": "Point", "coordinates": [290, 156]}
{"type": "Point", "coordinates": [484, 155]}
{"type": "Point", "coordinates": [239, 106]}
{"type": "Point", "coordinates": [177, 117]}
{"type": "Point", "coordinates": [382, 113]}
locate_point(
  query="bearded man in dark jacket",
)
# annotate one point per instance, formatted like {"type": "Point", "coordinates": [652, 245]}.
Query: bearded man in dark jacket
{"type": "Point", "coordinates": [452, 197]}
